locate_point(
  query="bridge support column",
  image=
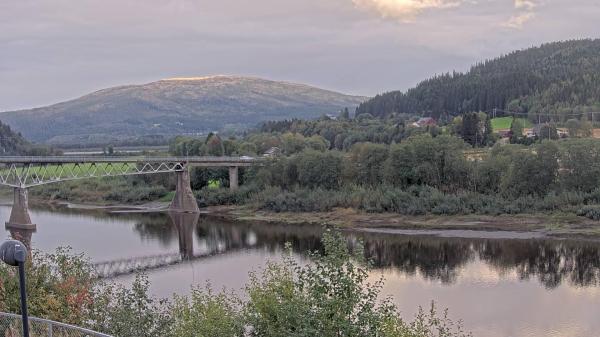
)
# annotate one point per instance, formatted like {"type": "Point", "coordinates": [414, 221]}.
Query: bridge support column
{"type": "Point", "coordinates": [19, 215]}
{"type": "Point", "coordinates": [184, 200]}
{"type": "Point", "coordinates": [233, 178]}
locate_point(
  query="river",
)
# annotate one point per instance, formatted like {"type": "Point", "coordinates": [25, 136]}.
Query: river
{"type": "Point", "coordinates": [499, 286]}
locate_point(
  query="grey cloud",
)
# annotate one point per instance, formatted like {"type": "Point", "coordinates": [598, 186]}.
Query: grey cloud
{"type": "Point", "coordinates": [53, 50]}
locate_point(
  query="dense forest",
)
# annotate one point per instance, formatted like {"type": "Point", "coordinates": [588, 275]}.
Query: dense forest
{"type": "Point", "coordinates": [560, 79]}
{"type": "Point", "coordinates": [424, 175]}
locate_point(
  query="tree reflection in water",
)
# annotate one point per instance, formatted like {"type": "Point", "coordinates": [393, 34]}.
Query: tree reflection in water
{"type": "Point", "coordinates": [551, 262]}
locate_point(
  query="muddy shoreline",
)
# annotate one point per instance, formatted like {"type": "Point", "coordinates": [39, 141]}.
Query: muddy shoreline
{"type": "Point", "coordinates": [558, 226]}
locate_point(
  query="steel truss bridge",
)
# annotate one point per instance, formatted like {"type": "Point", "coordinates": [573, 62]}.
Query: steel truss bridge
{"type": "Point", "coordinates": [25, 172]}
{"type": "Point", "coordinates": [22, 173]}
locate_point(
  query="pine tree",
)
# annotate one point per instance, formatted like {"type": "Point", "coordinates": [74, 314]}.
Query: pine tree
{"type": "Point", "coordinates": [470, 129]}
{"type": "Point", "coordinates": [345, 114]}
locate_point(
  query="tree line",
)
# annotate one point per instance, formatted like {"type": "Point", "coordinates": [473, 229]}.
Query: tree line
{"type": "Point", "coordinates": [427, 175]}
{"type": "Point", "coordinates": [294, 136]}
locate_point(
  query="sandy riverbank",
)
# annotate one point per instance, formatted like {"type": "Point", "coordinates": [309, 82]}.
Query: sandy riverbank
{"type": "Point", "coordinates": [503, 226]}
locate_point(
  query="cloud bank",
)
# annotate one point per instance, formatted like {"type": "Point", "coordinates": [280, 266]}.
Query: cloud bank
{"type": "Point", "coordinates": [525, 14]}
{"type": "Point", "coordinates": [405, 10]}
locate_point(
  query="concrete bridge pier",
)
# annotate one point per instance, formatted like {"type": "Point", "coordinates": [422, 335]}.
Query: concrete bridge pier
{"type": "Point", "coordinates": [23, 235]}
{"type": "Point", "coordinates": [184, 200]}
{"type": "Point", "coordinates": [233, 178]}
{"type": "Point", "coordinates": [19, 215]}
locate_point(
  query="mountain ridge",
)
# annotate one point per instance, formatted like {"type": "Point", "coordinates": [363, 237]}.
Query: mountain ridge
{"type": "Point", "coordinates": [171, 106]}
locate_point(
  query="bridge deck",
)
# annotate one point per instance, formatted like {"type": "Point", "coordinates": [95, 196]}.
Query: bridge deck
{"type": "Point", "coordinates": [189, 161]}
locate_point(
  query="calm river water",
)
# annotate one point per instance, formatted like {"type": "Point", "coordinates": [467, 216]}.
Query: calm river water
{"type": "Point", "coordinates": [499, 287]}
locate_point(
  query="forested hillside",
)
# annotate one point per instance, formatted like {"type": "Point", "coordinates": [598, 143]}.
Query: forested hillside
{"type": "Point", "coordinates": [560, 79]}
{"type": "Point", "coordinates": [12, 143]}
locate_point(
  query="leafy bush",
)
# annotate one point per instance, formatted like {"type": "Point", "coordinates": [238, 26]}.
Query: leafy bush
{"type": "Point", "coordinates": [113, 189]}
{"type": "Point", "coordinates": [60, 287]}
{"type": "Point", "coordinates": [590, 212]}
{"type": "Point", "coordinates": [328, 297]}
{"type": "Point", "coordinates": [300, 200]}
{"type": "Point", "coordinates": [130, 312]}
{"type": "Point", "coordinates": [226, 196]}
{"type": "Point", "coordinates": [206, 314]}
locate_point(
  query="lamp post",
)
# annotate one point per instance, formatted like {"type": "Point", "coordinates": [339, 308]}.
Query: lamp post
{"type": "Point", "coordinates": [14, 253]}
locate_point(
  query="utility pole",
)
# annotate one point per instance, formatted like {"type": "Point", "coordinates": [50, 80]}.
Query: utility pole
{"type": "Point", "coordinates": [592, 124]}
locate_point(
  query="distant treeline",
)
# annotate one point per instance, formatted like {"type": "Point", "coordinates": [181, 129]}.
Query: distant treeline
{"type": "Point", "coordinates": [558, 79]}
{"type": "Point", "coordinates": [92, 141]}
{"type": "Point", "coordinates": [293, 136]}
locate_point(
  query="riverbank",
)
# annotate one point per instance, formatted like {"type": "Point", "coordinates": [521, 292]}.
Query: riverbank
{"type": "Point", "coordinates": [553, 225]}
{"type": "Point", "coordinates": [536, 225]}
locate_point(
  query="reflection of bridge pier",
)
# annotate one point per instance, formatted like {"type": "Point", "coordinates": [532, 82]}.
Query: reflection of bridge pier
{"type": "Point", "coordinates": [185, 224]}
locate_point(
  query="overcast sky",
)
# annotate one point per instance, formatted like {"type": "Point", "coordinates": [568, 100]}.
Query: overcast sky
{"type": "Point", "coordinates": [53, 50]}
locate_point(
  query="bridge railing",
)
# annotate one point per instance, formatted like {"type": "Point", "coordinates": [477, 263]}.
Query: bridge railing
{"type": "Point", "coordinates": [12, 326]}
{"type": "Point", "coordinates": [124, 159]}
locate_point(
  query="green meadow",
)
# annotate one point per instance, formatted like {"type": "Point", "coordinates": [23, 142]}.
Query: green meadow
{"type": "Point", "coordinates": [505, 122]}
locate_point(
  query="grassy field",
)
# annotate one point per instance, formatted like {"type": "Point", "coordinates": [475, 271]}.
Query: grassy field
{"type": "Point", "coordinates": [504, 123]}
{"type": "Point", "coordinates": [70, 170]}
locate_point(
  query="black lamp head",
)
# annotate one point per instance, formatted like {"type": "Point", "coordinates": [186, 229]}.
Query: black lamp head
{"type": "Point", "coordinates": [13, 252]}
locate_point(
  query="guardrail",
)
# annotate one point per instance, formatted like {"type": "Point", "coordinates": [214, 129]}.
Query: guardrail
{"type": "Point", "coordinates": [117, 159]}
{"type": "Point", "coordinates": [11, 326]}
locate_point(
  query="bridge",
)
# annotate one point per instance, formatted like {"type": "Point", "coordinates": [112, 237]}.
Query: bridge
{"type": "Point", "coordinates": [21, 173]}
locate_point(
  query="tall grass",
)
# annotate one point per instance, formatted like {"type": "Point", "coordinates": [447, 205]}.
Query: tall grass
{"type": "Point", "coordinates": [415, 200]}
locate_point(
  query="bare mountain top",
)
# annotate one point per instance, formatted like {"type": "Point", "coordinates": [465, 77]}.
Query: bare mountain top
{"type": "Point", "coordinates": [175, 106]}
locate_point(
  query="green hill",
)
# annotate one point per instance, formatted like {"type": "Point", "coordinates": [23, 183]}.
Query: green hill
{"type": "Point", "coordinates": [558, 78]}
{"type": "Point", "coordinates": [175, 106]}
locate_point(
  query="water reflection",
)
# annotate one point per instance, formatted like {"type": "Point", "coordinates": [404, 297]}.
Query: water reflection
{"type": "Point", "coordinates": [185, 224]}
{"type": "Point", "coordinates": [213, 234]}
{"type": "Point", "coordinates": [500, 287]}
{"type": "Point", "coordinates": [550, 262]}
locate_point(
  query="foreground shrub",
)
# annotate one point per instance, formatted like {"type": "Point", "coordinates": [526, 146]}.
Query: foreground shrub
{"type": "Point", "coordinates": [330, 296]}
{"type": "Point", "coordinates": [60, 287]}
{"type": "Point", "coordinates": [129, 312]}
{"type": "Point", "coordinates": [206, 314]}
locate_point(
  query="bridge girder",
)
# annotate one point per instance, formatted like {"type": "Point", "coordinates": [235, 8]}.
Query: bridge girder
{"type": "Point", "coordinates": [24, 172]}
{"type": "Point", "coordinates": [27, 175]}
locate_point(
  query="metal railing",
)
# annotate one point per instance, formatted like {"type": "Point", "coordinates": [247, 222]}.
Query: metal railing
{"type": "Point", "coordinates": [126, 159]}
{"type": "Point", "coordinates": [11, 326]}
